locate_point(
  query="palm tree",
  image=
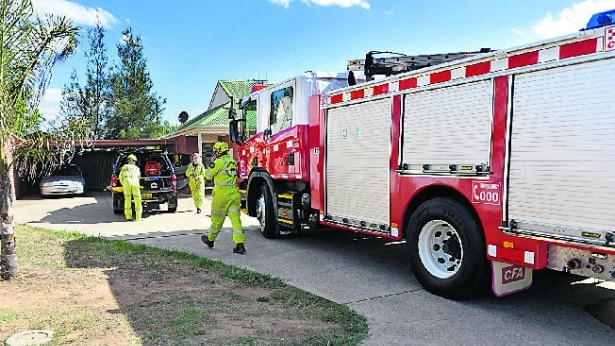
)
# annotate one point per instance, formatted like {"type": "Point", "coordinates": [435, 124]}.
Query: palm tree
{"type": "Point", "coordinates": [30, 45]}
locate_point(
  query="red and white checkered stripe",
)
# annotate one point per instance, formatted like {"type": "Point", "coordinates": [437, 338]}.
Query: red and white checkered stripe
{"type": "Point", "coordinates": [560, 52]}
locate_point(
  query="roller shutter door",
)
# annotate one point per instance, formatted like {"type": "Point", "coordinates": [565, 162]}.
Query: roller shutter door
{"type": "Point", "coordinates": [562, 162]}
{"type": "Point", "coordinates": [358, 142]}
{"type": "Point", "coordinates": [448, 126]}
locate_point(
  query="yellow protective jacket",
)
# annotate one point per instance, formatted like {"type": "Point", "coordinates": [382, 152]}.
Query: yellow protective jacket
{"type": "Point", "coordinates": [196, 174]}
{"type": "Point", "coordinates": [130, 175]}
{"type": "Point", "coordinates": [223, 170]}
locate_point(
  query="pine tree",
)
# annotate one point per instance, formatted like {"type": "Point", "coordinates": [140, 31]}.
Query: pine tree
{"type": "Point", "coordinates": [92, 100]}
{"type": "Point", "coordinates": [136, 108]}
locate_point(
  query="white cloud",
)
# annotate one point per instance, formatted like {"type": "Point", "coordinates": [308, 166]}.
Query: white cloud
{"type": "Point", "coordinates": [341, 3]}
{"type": "Point", "coordinates": [79, 14]}
{"type": "Point", "coordinates": [571, 19]}
{"type": "Point", "coordinates": [518, 31]}
{"type": "Point", "coordinates": [50, 104]}
{"type": "Point", "coordinates": [283, 3]}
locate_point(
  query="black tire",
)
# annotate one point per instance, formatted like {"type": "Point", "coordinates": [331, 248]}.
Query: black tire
{"type": "Point", "coordinates": [447, 250]}
{"type": "Point", "coordinates": [265, 213]}
{"type": "Point", "coordinates": [118, 205]}
{"type": "Point", "coordinates": [172, 204]}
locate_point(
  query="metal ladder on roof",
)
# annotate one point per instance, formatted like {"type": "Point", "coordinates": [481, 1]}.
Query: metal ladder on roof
{"type": "Point", "coordinates": [396, 63]}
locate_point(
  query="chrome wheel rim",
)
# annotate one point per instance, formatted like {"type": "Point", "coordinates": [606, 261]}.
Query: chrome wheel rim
{"type": "Point", "coordinates": [440, 249]}
{"type": "Point", "coordinates": [261, 212]}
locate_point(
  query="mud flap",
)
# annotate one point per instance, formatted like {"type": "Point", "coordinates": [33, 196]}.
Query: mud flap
{"type": "Point", "coordinates": [510, 278]}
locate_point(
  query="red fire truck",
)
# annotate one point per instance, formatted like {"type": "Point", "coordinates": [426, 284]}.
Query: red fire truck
{"type": "Point", "coordinates": [488, 167]}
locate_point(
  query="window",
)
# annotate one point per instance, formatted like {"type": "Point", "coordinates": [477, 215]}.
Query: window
{"type": "Point", "coordinates": [281, 109]}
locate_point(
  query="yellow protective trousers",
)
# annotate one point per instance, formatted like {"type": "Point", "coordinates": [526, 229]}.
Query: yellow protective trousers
{"type": "Point", "coordinates": [226, 200]}
{"type": "Point", "coordinates": [197, 183]}
{"type": "Point", "coordinates": [132, 192]}
{"type": "Point", "coordinates": [197, 190]}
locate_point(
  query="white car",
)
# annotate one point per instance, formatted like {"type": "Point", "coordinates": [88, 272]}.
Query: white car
{"type": "Point", "coordinates": [67, 180]}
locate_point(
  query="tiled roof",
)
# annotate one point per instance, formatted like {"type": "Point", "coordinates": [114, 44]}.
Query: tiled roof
{"type": "Point", "coordinates": [217, 117]}
{"type": "Point", "coordinates": [237, 89]}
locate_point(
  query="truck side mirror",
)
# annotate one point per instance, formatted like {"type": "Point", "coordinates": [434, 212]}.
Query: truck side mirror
{"type": "Point", "coordinates": [232, 113]}
{"type": "Point", "coordinates": [232, 127]}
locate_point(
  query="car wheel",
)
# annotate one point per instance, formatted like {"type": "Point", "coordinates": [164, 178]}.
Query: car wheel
{"type": "Point", "coordinates": [172, 204]}
{"type": "Point", "coordinates": [265, 213]}
{"type": "Point", "coordinates": [118, 205]}
{"type": "Point", "coordinates": [446, 249]}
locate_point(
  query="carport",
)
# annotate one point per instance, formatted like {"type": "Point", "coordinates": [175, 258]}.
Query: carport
{"type": "Point", "coordinates": [96, 162]}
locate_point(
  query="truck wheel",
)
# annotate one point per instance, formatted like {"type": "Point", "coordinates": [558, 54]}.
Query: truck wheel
{"type": "Point", "coordinates": [265, 214]}
{"type": "Point", "coordinates": [446, 249]}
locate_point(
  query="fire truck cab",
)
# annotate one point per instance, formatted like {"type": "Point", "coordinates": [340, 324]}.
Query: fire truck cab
{"type": "Point", "coordinates": [274, 158]}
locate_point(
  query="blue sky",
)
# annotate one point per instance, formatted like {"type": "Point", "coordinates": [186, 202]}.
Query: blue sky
{"type": "Point", "coordinates": [191, 44]}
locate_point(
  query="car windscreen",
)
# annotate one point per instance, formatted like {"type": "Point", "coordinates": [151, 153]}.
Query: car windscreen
{"type": "Point", "coordinates": [72, 170]}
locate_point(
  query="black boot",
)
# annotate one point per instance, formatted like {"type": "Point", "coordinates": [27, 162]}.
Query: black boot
{"type": "Point", "coordinates": [206, 241]}
{"type": "Point", "coordinates": [198, 210]}
{"type": "Point", "coordinates": [239, 249]}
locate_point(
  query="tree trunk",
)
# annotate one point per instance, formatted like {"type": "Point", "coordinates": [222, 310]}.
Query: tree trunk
{"type": "Point", "coordinates": [8, 257]}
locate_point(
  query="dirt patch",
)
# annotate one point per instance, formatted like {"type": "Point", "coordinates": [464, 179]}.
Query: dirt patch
{"type": "Point", "coordinates": [94, 297]}
{"type": "Point", "coordinates": [107, 297]}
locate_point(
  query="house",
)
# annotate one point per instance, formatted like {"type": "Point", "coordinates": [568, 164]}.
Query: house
{"type": "Point", "coordinates": [200, 133]}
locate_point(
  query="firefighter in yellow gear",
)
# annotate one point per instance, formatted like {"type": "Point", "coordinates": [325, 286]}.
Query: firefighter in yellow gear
{"type": "Point", "coordinates": [196, 173]}
{"type": "Point", "coordinates": [226, 199]}
{"type": "Point", "coordinates": [130, 178]}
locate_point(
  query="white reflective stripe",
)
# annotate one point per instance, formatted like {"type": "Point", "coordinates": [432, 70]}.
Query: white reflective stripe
{"type": "Point", "coordinates": [231, 210]}
{"type": "Point", "coordinates": [458, 73]}
{"type": "Point", "coordinates": [236, 231]}
{"type": "Point", "coordinates": [213, 212]}
{"type": "Point", "coordinates": [423, 80]}
{"type": "Point", "coordinates": [548, 54]}
{"type": "Point", "coordinates": [225, 184]}
{"type": "Point", "coordinates": [394, 87]}
{"type": "Point", "coordinates": [499, 65]}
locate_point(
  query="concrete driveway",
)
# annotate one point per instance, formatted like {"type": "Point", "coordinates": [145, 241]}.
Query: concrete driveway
{"type": "Point", "coordinates": [369, 275]}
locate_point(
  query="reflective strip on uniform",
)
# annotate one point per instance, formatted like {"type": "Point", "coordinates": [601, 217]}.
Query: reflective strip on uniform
{"type": "Point", "coordinates": [231, 210]}
{"type": "Point", "coordinates": [225, 184]}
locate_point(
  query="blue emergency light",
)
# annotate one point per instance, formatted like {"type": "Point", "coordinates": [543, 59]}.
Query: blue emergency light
{"type": "Point", "coordinates": [601, 19]}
